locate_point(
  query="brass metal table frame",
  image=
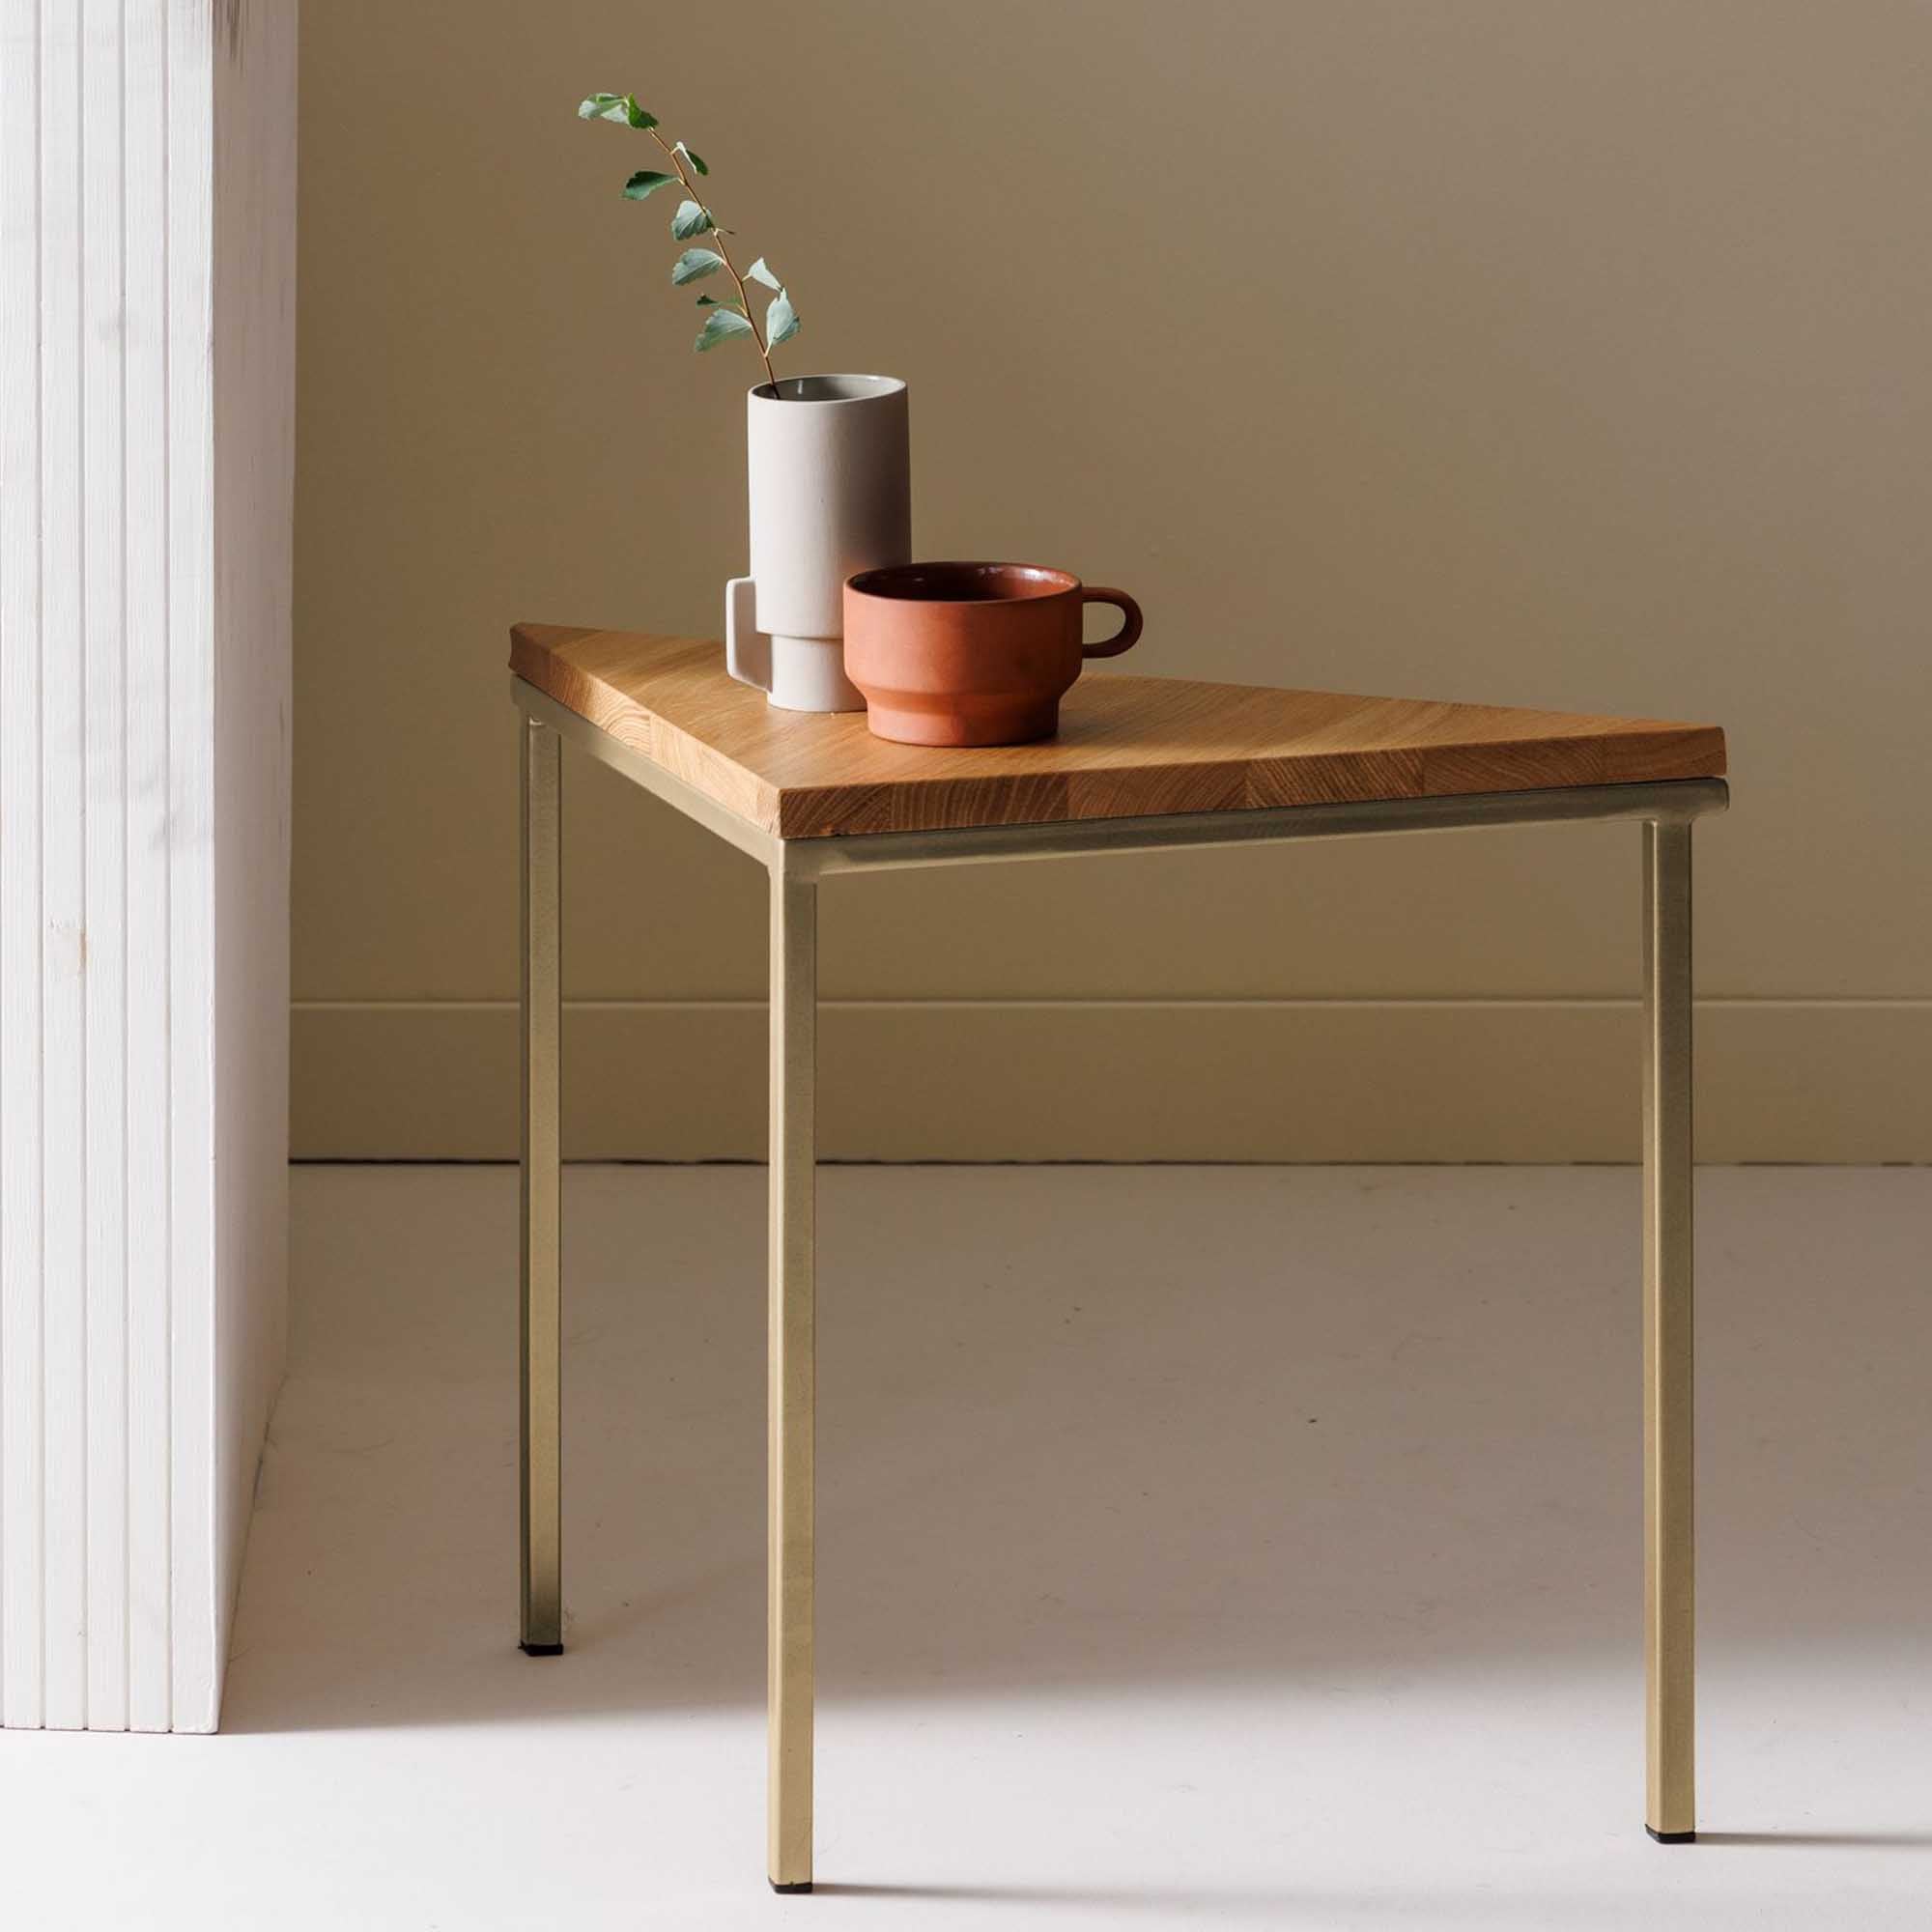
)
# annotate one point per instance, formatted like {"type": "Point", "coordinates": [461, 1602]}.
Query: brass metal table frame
{"type": "Point", "coordinates": [1667, 812]}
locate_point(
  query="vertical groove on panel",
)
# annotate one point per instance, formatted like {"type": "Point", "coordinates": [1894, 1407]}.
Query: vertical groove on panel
{"type": "Point", "coordinates": [164, 1341]}
{"type": "Point", "coordinates": [150, 1605]}
{"type": "Point", "coordinates": [63, 883]}
{"type": "Point", "coordinates": [103, 365]}
{"type": "Point", "coordinates": [164, 842]}
{"type": "Point", "coordinates": [164, 806]}
{"type": "Point", "coordinates": [127, 954]}
{"type": "Point", "coordinates": [196, 1669]}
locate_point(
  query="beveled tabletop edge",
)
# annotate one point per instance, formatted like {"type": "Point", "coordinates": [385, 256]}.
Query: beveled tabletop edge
{"type": "Point", "coordinates": [533, 658]}
{"type": "Point", "coordinates": [806, 810]}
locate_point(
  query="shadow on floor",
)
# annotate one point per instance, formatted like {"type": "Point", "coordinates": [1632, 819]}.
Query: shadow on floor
{"type": "Point", "coordinates": [1077, 1427]}
{"type": "Point", "coordinates": [1813, 1841]}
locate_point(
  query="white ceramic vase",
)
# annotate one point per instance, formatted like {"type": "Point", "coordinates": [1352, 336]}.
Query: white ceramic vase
{"type": "Point", "coordinates": [829, 469]}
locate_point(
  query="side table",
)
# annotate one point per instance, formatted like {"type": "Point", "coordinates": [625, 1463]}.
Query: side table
{"type": "Point", "coordinates": [1141, 764]}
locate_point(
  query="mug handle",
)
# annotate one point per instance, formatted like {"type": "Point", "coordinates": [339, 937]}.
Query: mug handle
{"type": "Point", "coordinates": [748, 651]}
{"type": "Point", "coordinates": [1128, 635]}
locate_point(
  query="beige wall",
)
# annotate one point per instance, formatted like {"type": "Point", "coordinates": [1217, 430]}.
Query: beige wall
{"type": "Point", "coordinates": [1534, 351]}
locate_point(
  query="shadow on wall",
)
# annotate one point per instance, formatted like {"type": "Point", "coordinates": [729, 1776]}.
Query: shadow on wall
{"type": "Point", "coordinates": [1078, 1426]}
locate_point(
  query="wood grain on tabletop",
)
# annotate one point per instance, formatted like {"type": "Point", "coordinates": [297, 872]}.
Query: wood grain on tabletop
{"type": "Point", "coordinates": [1127, 744]}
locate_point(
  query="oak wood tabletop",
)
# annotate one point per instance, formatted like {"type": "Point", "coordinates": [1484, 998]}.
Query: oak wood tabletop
{"type": "Point", "coordinates": [1127, 746]}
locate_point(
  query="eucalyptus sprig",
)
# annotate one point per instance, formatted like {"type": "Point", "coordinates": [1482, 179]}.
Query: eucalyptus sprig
{"type": "Point", "coordinates": [725, 315]}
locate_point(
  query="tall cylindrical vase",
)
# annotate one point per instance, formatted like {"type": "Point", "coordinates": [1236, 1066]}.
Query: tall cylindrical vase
{"type": "Point", "coordinates": [829, 469]}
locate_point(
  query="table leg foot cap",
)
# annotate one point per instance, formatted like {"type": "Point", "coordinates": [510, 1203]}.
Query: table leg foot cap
{"type": "Point", "coordinates": [804, 1884]}
{"type": "Point", "coordinates": [541, 1649]}
{"type": "Point", "coordinates": [1671, 1838]}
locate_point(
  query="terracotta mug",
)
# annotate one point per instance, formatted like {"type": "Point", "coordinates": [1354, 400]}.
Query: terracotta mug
{"type": "Point", "coordinates": [971, 653]}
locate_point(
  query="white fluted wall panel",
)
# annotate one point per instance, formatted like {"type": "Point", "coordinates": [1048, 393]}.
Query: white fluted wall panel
{"type": "Point", "coordinates": [145, 351]}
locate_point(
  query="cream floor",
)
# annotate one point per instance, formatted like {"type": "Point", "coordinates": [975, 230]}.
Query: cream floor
{"type": "Point", "coordinates": [1199, 1546]}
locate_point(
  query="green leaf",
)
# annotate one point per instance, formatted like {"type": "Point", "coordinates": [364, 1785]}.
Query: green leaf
{"type": "Point", "coordinates": [621, 108]}
{"type": "Point", "coordinates": [758, 272]}
{"type": "Point", "coordinates": [693, 265]}
{"type": "Point", "coordinates": [695, 161]}
{"type": "Point", "coordinates": [721, 325]}
{"type": "Point", "coordinates": [689, 220]}
{"type": "Point", "coordinates": [780, 321]}
{"type": "Point", "coordinates": [721, 301]}
{"type": "Point", "coordinates": [645, 183]}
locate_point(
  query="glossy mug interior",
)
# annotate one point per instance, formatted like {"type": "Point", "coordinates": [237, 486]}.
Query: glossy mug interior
{"type": "Point", "coordinates": [972, 653]}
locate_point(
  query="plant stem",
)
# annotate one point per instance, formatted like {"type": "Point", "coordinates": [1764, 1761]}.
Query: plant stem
{"type": "Point", "coordinates": [725, 256]}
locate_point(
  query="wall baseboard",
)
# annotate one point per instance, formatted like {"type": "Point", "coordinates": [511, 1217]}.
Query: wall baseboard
{"type": "Point", "coordinates": [1300, 1080]}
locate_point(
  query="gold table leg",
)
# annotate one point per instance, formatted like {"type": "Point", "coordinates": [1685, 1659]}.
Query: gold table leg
{"type": "Point", "coordinates": [540, 1447]}
{"type": "Point", "coordinates": [792, 1375]}
{"type": "Point", "coordinates": [1669, 1591]}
